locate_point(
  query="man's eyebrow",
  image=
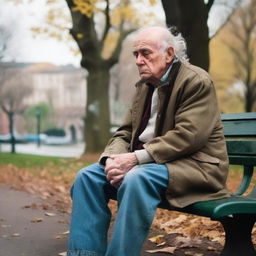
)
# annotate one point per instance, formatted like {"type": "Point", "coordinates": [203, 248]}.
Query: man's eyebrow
{"type": "Point", "coordinates": [141, 50]}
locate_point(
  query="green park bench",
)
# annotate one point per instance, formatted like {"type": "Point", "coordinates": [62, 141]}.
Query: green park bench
{"type": "Point", "coordinates": [237, 213]}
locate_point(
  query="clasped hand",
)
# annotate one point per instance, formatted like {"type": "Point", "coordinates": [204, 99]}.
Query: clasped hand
{"type": "Point", "coordinates": [117, 166]}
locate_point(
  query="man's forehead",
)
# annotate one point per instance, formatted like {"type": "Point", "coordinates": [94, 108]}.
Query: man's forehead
{"type": "Point", "coordinates": [145, 43]}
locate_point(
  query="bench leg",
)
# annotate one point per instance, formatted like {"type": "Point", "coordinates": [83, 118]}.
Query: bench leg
{"type": "Point", "coordinates": [238, 235]}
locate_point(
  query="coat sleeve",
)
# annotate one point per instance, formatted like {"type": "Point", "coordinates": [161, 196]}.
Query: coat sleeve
{"type": "Point", "coordinates": [195, 118]}
{"type": "Point", "coordinates": [120, 142]}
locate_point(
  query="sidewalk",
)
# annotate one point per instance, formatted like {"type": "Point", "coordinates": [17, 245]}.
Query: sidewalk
{"type": "Point", "coordinates": [26, 229]}
{"type": "Point", "coordinates": [73, 150]}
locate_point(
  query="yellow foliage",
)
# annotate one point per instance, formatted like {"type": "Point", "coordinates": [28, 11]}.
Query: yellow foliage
{"type": "Point", "coordinates": [51, 16]}
{"type": "Point", "coordinates": [152, 2]}
{"type": "Point", "coordinates": [110, 44]}
{"type": "Point", "coordinates": [87, 8]}
{"type": "Point", "coordinates": [51, 1]}
{"type": "Point", "coordinates": [123, 13]}
{"type": "Point", "coordinates": [79, 35]}
{"type": "Point", "coordinates": [16, 1]}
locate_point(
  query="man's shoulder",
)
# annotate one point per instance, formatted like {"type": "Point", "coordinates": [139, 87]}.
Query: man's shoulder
{"type": "Point", "coordinates": [192, 72]}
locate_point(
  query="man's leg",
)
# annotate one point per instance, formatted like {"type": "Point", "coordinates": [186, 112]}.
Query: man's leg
{"type": "Point", "coordinates": [91, 216]}
{"type": "Point", "coordinates": [138, 198]}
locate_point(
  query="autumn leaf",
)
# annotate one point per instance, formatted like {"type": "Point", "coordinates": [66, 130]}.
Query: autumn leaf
{"type": "Point", "coordinates": [62, 254]}
{"type": "Point", "coordinates": [36, 220]}
{"type": "Point", "coordinates": [166, 249]}
{"type": "Point", "coordinates": [182, 242]}
{"type": "Point", "coordinates": [6, 226]}
{"type": "Point", "coordinates": [49, 214]}
{"type": "Point", "coordinates": [193, 254]}
{"type": "Point", "coordinates": [156, 239]}
{"type": "Point", "coordinates": [15, 235]}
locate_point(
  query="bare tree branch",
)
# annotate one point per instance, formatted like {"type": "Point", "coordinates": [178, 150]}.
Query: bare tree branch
{"type": "Point", "coordinates": [107, 24]}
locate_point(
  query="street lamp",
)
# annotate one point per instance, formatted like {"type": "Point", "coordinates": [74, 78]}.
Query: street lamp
{"type": "Point", "coordinates": [38, 121]}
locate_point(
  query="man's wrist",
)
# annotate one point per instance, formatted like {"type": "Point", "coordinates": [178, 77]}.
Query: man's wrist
{"type": "Point", "coordinates": [103, 160]}
{"type": "Point", "coordinates": [143, 156]}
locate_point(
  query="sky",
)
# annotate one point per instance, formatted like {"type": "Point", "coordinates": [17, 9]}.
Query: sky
{"type": "Point", "coordinates": [24, 47]}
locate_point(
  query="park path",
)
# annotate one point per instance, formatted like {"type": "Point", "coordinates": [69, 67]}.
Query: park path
{"type": "Point", "coordinates": [27, 228]}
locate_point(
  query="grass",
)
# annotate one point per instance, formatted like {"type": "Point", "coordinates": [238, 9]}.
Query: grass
{"type": "Point", "coordinates": [52, 166]}
{"type": "Point", "coordinates": [57, 166]}
{"type": "Point", "coordinates": [29, 161]}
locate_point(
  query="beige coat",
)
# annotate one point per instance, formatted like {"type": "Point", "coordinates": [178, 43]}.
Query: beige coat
{"type": "Point", "coordinates": [191, 142]}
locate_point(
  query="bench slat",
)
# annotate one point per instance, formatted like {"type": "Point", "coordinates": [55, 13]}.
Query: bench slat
{"type": "Point", "coordinates": [242, 160]}
{"type": "Point", "coordinates": [239, 128]}
{"type": "Point", "coordinates": [240, 124]}
{"type": "Point", "coordinates": [217, 209]}
{"type": "Point", "coordinates": [238, 116]}
{"type": "Point", "coordinates": [244, 147]}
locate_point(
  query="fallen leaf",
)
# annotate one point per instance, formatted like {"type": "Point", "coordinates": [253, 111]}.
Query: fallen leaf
{"type": "Point", "coordinates": [36, 220]}
{"type": "Point", "coordinates": [15, 235]}
{"type": "Point", "coordinates": [174, 222]}
{"type": "Point", "coordinates": [156, 239]}
{"type": "Point", "coordinates": [6, 226]}
{"type": "Point", "coordinates": [193, 254]}
{"type": "Point", "coordinates": [166, 249]}
{"type": "Point", "coordinates": [210, 248]}
{"type": "Point", "coordinates": [163, 243]}
{"type": "Point", "coordinates": [62, 254]}
{"type": "Point", "coordinates": [65, 233]}
{"type": "Point", "coordinates": [182, 242]}
{"type": "Point", "coordinates": [49, 214]}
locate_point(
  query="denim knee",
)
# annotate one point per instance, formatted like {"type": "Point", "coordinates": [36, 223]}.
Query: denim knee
{"type": "Point", "coordinates": [86, 174]}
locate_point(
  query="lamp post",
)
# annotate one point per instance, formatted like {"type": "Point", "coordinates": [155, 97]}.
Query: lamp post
{"type": "Point", "coordinates": [38, 121]}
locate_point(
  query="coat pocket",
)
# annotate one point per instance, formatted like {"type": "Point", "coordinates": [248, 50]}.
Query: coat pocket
{"type": "Point", "coordinates": [204, 158]}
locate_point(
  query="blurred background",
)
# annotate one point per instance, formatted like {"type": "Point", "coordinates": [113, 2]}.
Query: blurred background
{"type": "Point", "coordinates": [67, 73]}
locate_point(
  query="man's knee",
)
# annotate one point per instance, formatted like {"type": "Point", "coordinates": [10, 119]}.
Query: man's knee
{"type": "Point", "coordinates": [135, 176]}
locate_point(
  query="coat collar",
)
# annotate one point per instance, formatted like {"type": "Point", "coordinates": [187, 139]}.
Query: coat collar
{"type": "Point", "coordinates": [170, 73]}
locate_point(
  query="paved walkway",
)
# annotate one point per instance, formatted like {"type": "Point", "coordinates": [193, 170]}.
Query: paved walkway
{"type": "Point", "coordinates": [73, 150]}
{"type": "Point", "coordinates": [25, 228]}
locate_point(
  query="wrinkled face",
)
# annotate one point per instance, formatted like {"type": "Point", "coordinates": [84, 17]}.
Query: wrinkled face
{"type": "Point", "coordinates": [152, 61]}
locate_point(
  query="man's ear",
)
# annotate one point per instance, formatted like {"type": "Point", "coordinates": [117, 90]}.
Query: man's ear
{"type": "Point", "coordinates": [169, 54]}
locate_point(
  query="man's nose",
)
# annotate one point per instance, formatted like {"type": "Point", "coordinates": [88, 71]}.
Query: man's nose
{"type": "Point", "coordinates": [139, 60]}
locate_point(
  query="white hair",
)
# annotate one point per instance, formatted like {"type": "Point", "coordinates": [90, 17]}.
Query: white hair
{"type": "Point", "coordinates": [170, 37]}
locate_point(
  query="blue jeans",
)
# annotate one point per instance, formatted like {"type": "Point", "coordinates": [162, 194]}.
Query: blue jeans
{"type": "Point", "coordinates": [138, 197]}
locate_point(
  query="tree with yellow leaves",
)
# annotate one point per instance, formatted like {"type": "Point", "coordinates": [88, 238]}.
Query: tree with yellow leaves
{"type": "Point", "coordinates": [100, 51]}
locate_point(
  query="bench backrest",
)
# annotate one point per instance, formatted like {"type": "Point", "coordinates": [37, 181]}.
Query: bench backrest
{"type": "Point", "coordinates": [240, 134]}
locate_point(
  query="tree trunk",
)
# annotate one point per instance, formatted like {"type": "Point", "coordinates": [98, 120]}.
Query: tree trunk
{"type": "Point", "coordinates": [190, 17]}
{"type": "Point", "coordinates": [249, 99]}
{"type": "Point", "coordinates": [11, 130]}
{"type": "Point", "coordinates": [97, 120]}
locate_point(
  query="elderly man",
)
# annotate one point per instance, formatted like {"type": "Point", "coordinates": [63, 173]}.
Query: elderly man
{"type": "Point", "coordinates": [170, 145]}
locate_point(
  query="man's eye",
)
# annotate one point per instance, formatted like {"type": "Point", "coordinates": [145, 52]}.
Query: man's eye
{"type": "Point", "coordinates": [146, 53]}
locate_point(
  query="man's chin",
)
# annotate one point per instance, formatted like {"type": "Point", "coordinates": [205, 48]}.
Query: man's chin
{"type": "Point", "coordinates": [144, 78]}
